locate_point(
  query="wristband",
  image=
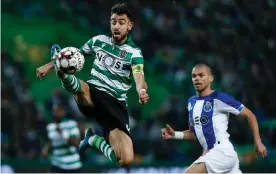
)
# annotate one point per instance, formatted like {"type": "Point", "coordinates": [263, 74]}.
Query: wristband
{"type": "Point", "coordinates": [142, 90]}
{"type": "Point", "coordinates": [178, 135]}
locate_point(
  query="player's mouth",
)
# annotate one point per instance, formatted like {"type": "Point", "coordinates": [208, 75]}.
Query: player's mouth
{"type": "Point", "coordinates": [116, 34]}
{"type": "Point", "coordinates": [198, 84]}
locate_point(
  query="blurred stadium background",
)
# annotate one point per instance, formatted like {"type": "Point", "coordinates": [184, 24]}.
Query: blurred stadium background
{"type": "Point", "coordinates": [236, 37]}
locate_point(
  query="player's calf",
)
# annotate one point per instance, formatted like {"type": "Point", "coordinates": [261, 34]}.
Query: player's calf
{"type": "Point", "coordinates": [70, 83]}
{"type": "Point", "coordinates": [93, 140]}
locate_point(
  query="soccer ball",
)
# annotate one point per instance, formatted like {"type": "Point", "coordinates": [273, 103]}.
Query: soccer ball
{"type": "Point", "coordinates": [71, 60]}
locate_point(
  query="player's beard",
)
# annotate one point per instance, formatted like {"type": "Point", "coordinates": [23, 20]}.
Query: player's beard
{"type": "Point", "coordinates": [120, 39]}
{"type": "Point", "coordinates": [201, 89]}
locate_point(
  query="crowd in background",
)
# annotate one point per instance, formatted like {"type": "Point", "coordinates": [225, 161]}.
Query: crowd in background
{"type": "Point", "coordinates": [236, 38]}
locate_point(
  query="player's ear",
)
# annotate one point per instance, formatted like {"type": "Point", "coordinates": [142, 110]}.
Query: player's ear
{"type": "Point", "coordinates": [211, 78]}
{"type": "Point", "coordinates": [130, 25]}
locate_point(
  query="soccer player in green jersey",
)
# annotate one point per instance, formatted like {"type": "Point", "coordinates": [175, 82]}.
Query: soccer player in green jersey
{"type": "Point", "coordinates": [103, 96]}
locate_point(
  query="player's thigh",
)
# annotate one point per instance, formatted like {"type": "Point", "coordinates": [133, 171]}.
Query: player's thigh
{"type": "Point", "coordinates": [84, 97]}
{"type": "Point", "coordinates": [236, 168]}
{"type": "Point", "coordinates": [122, 145]}
{"type": "Point", "coordinates": [197, 168]}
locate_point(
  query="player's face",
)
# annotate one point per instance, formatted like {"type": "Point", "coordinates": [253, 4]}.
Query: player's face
{"type": "Point", "coordinates": [59, 113]}
{"type": "Point", "coordinates": [120, 25]}
{"type": "Point", "coordinates": [201, 78]}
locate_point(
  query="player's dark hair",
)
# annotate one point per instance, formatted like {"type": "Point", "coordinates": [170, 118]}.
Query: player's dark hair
{"type": "Point", "coordinates": [120, 9]}
{"type": "Point", "coordinates": [204, 64]}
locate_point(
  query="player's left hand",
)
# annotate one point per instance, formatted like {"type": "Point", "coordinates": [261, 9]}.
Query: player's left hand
{"type": "Point", "coordinates": [260, 149]}
{"type": "Point", "coordinates": [143, 97]}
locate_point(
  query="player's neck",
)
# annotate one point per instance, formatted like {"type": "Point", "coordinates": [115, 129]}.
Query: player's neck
{"type": "Point", "coordinates": [124, 40]}
{"type": "Point", "coordinates": [204, 93]}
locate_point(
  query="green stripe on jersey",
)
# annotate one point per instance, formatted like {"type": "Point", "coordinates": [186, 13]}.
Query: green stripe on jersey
{"type": "Point", "coordinates": [118, 92]}
{"type": "Point", "coordinates": [122, 79]}
{"type": "Point", "coordinates": [111, 49]}
{"type": "Point", "coordinates": [137, 60]}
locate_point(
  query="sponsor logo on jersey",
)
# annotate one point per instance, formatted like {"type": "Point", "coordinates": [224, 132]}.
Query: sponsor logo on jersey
{"type": "Point", "coordinates": [110, 61]}
{"type": "Point", "coordinates": [204, 120]}
{"type": "Point", "coordinates": [201, 120]}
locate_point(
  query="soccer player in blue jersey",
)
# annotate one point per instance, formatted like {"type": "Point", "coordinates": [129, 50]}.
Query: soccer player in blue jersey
{"type": "Point", "coordinates": [208, 123]}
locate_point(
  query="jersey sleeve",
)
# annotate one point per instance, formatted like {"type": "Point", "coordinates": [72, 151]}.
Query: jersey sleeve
{"type": "Point", "coordinates": [228, 104]}
{"type": "Point", "coordinates": [137, 62]}
{"type": "Point", "coordinates": [87, 49]}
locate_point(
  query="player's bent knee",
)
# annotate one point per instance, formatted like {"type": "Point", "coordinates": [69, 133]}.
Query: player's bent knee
{"type": "Point", "coordinates": [123, 146]}
{"type": "Point", "coordinates": [127, 154]}
{"type": "Point", "coordinates": [127, 158]}
{"type": "Point", "coordinates": [84, 87]}
{"type": "Point", "coordinates": [83, 96]}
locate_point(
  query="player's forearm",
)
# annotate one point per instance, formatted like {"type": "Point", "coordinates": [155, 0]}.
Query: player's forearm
{"type": "Point", "coordinates": [50, 65]}
{"type": "Point", "coordinates": [140, 82]}
{"type": "Point", "coordinates": [253, 124]}
{"type": "Point", "coordinates": [185, 135]}
{"type": "Point", "coordinates": [189, 135]}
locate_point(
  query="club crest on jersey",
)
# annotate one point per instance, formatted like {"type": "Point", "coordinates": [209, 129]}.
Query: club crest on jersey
{"type": "Point", "coordinates": [123, 53]}
{"type": "Point", "coordinates": [208, 107]}
{"type": "Point", "coordinates": [204, 120]}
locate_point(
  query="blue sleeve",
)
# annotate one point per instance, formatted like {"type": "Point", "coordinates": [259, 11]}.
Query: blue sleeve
{"type": "Point", "coordinates": [227, 103]}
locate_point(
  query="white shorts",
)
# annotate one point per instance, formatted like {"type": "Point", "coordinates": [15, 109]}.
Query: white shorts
{"type": "Point", "coordinates": [219, 160]}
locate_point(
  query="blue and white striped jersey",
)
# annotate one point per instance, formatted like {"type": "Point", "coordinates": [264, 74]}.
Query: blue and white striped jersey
{"type": "Point", "coordinates": [209, 116]}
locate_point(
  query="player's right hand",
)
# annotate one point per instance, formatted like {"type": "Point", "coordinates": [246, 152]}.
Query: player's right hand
{"type": "Point", "coordinates": [43, 70]}
{"type": "Point", "coordinates": [167, 132]}
{"type": "Point", "coordinates": [260, 149]}
{"type": "Point", "coordinates": [143, 97]}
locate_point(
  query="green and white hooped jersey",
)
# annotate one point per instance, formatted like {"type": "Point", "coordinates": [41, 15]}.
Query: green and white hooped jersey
{"type": "Point", "coordinates": [111, 71]}
{"type": "Point", "coordinates": [64, 155]}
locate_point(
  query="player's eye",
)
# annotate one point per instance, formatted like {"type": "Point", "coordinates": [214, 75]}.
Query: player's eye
{"type": "Point", "coordinates": [121, 23]}
{"type": "Point", "coordinates": [113, 22]}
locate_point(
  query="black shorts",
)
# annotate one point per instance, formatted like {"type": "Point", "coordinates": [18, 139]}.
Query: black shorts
{"type": "Point", "coordinates": [108, 111]}
{"type": "Point", "coordinates": [55, 169]}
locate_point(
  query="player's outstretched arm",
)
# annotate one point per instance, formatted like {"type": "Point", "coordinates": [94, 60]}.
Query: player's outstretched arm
{"type": "Point", "coordinates": [43, 70]}
{"type": "Point", "coordinates": [253, 124]}
{"type": "Point", "coordinates": [169, 133]}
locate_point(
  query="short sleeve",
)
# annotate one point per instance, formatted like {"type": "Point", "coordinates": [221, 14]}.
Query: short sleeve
{"type": "Point", "coordinates": [137, 58]}
{"type": "Point", "coordinates": [87, 47]}
{"type": "Point", "coordinates": [227, 103]}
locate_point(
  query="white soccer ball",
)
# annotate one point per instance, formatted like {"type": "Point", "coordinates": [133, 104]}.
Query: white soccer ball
{"type": "Point", "coordinates": [71, 60]}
